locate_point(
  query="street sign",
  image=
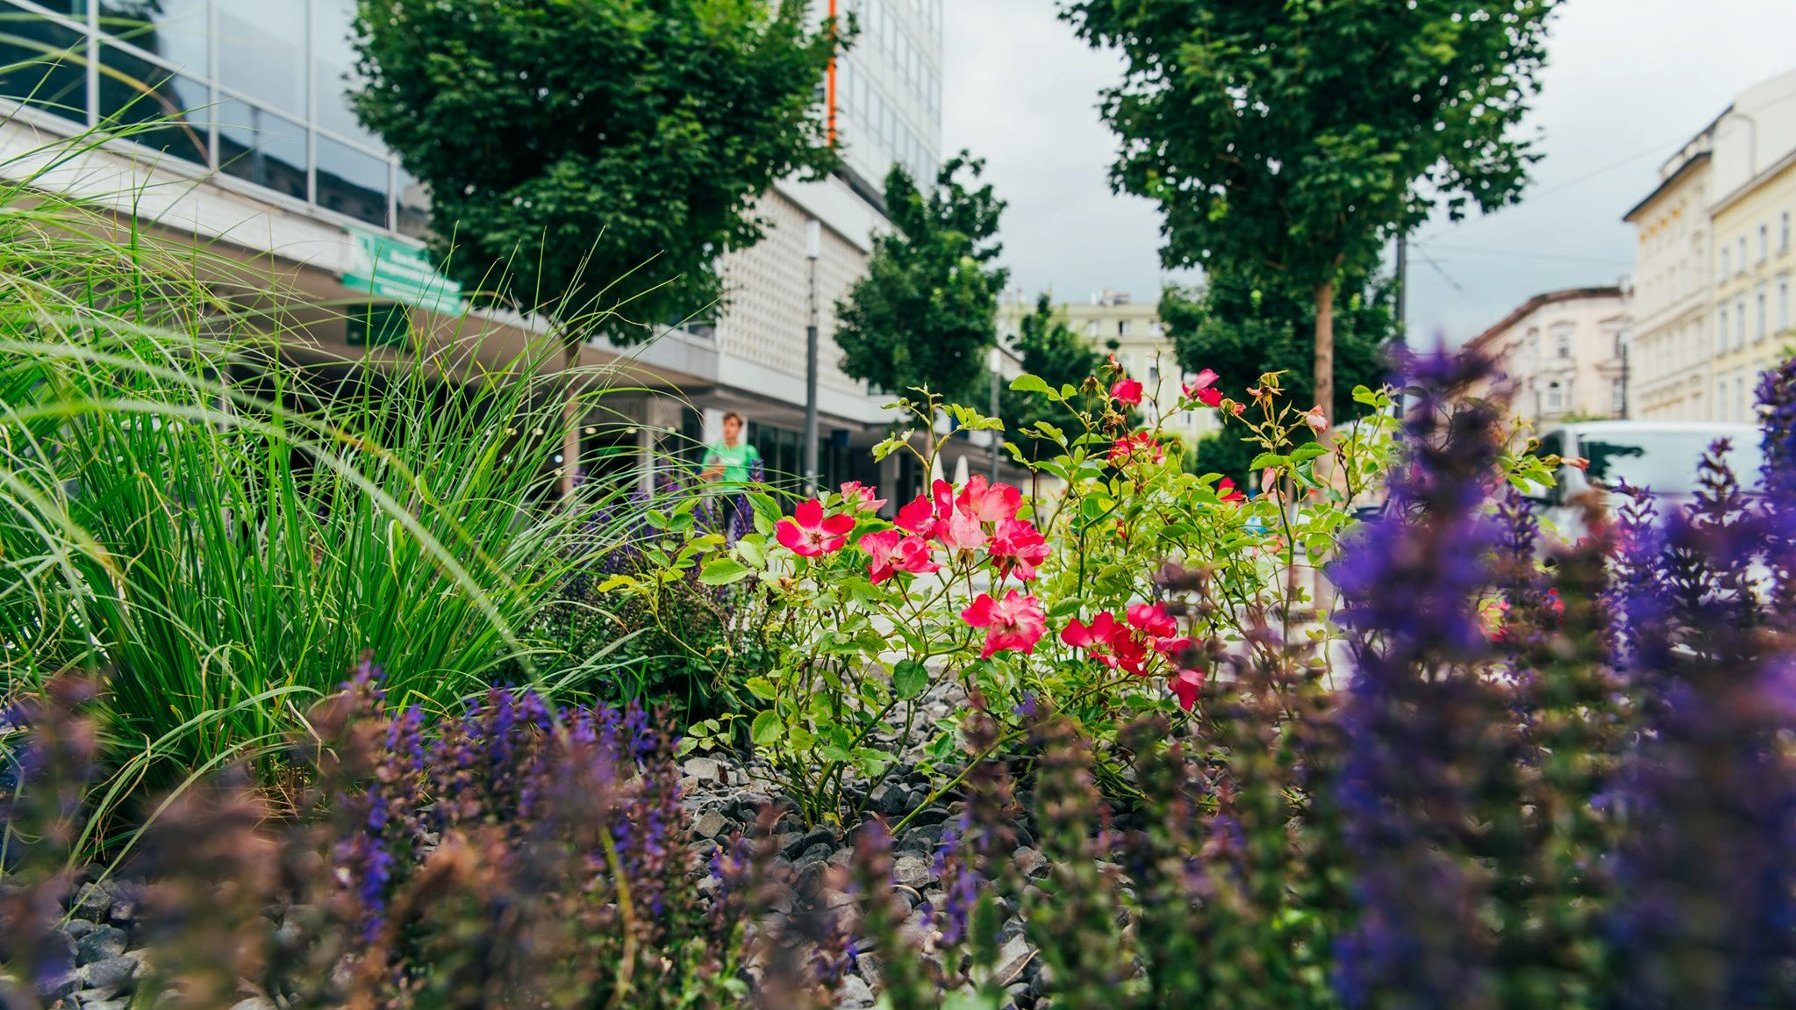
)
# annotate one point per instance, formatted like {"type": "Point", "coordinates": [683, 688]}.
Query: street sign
{"type": "Point", "coordinates": [387, 267]}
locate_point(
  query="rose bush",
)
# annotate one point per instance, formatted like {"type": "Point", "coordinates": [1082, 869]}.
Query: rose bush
{"type": "Point", "coordinates": [1024, 598]}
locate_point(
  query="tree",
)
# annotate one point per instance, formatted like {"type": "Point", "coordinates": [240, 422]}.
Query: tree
{"type": "Point", "coordinates": [590, 159]}
{"type": "Point", "coordinates": [1293, 137]}
{"type": "Point", "coordinates": [1050, 349]}
{"type": "Point", "coordinates": [925, 313]}
{"type": "Point", "coordinates": [1242, 329]}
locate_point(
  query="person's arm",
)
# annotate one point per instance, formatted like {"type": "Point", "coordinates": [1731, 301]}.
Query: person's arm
{"type": "Point", "coordinates": [713, 466]}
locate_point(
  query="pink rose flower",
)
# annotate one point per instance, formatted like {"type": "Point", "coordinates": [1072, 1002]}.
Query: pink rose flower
{"type": "Point", "coordinates": [1014, 623]}
{"type": "Point", "coordinates": [809, 533]}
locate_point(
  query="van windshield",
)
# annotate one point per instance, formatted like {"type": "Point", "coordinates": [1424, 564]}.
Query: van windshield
{"type": "Point", "coordinates": [1662, 461]}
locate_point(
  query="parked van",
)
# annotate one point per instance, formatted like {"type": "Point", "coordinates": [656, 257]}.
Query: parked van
{"type": "Point", "coordinates": [1661, 457]}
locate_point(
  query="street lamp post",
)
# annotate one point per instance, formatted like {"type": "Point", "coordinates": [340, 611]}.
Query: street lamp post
{"type": "Point", "coordinates": [997, 361]}
{"type": "Point", "coordinates": [813, 250]}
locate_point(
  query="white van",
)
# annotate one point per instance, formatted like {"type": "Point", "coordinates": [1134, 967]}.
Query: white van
{"type": "Point", "coordinates": [1661, 457]}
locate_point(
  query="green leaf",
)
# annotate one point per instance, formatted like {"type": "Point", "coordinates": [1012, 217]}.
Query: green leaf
{"type": "Point", "coordinates": [909, 679]}
{"type": "Point", "coordinates": [722, 572]}
{"type": "Point", "coordinates": [1266, 459]}
{"type": "Point", "coordinates": [1027, 383]}
{"type": "Point", "coordinates": [762, 688]}
{"type": "Point", "coordinates": [765, 731]}
{"type": "Point", "coordinates": [753, 549]}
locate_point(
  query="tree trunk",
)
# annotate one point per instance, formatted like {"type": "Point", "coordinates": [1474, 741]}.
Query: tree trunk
{"type": "Point", "coordinates": [570, 420]}
{"type": "Point", "coordinates": [1325, 348]}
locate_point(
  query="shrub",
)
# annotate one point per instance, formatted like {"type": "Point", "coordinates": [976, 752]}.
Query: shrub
{"type": "Point", "coordinates": [1050, 595]}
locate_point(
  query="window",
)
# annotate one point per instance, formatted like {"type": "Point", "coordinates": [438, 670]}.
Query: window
{"type": "Point", "coordinates": [1764, 242]}
{"type": "Point", "coordinates": [46, 65]}
{"type": "Point", "coordinates": [1721, 330]}
{"type": "Point", "coordinates": [1783, 303]}
{"type": "Point", "coordinates": [1764, 317]}
{"type": "Point", "coordinates": [1562, 346]}
{"type": "Point", "coordinates": [1739, 395]}
{"type": "Point", "coordinates": [1726, 264]}
{"type": "Point", "coordinates": [1122, 327]}
{"type": "Point", "coordinates": [1555, 397]}
{"type": "Point", "coordinates": [1739, 322]}
{"type": "Point", "coordinates": [154, 106]}
{"type": "Point", "coordinates": [1618, 398]}
{"type": "Point", "coordinates": [1741, 249]}
{"type": "Point", "coordinates": [261, 52]}
{"type": "Point", "coordinates": [1783, 232]}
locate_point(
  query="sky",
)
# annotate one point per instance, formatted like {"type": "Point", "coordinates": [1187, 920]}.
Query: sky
{"type": "Point", "coordinates": [1627, 83]}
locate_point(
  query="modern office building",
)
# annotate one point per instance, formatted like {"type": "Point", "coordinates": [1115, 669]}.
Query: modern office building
{"type": "Point", "coordinates": [1115, 323]}
{"type": "Point", "coordinates": [245, 141]}
{"type": "Point", "coordinates": [1715, 258]}
{"type": "Point", "coordinates": [1559, 355]}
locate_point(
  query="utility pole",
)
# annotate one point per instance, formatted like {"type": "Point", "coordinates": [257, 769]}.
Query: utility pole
{"type": "Point", "coordinates": [813, 250]}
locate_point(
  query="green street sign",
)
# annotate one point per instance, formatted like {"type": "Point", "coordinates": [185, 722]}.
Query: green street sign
{"type": "Point", "coordinates": [387, 267]}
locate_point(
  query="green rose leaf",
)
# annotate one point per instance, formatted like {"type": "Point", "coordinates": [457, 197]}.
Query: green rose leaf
{"type": "Point", "coordinates": [762, 688]}
{"type": "Point", "coordinates": [722, 572]}
{"type": "Point", "coordinates": [910, 678]}
{"type": "Point", "coordinates": [766, 729]}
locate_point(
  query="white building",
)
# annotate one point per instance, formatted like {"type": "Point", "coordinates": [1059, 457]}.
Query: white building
{"type": "Point", "coordinates": [1559, 355]}
{"type": "Point", "coordinates": [1715, 263]}
{"type": "Point", "coordinates": [1115, 323]}
{"type": "Point", "coordinates": [260, 157]}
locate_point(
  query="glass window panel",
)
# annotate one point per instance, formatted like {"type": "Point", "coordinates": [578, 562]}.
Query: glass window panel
{"type": "Point", "coordinates": [262, 147]}
{"type": "Point", "coordinates": [174, 30]}
{"type": "Point", "coordinates": [51, 70]}
{"type": "Point", "coordinates": [260, 51]}
{"type": "Point", "coordinates": [333, 70]}
{"type": "Point", "coordinates": [351, 182]}
{"type": "Point", "coordinates": [153, 105]}
{"type": "Point", "coordinates": [414, 207]}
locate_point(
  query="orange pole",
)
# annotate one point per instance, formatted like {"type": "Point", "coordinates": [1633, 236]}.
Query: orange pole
{"type": "Point", "coordinates": [830, 85]}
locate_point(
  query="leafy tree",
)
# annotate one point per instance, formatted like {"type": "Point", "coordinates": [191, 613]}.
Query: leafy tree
{"type": "Point", "coordinates": [590, 159]}
{"type": "Point", "coordinates": [925, 313]}
{"type": "Point", "coordinates": [1243, 329]}
{"type": "Point", "coordinates": [1293, 137]}
{"type": "Point", "coordinates": [1050, 349]}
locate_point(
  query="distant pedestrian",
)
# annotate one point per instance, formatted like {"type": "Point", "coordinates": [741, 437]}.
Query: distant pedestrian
{"type": "Point", "coordinates": [729, 466]}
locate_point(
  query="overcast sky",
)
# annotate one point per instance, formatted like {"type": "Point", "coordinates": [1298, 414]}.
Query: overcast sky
{"type": "Point", "coordinates": [1628, 82]}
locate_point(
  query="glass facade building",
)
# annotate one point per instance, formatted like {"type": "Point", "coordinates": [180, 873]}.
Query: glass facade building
{"type": "Point", "coordinates": [254, 89]}
{"type": "Point", "coordinates": [889, 88]}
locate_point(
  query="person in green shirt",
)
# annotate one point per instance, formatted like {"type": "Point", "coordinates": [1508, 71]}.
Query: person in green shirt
{"type": "Point", "coordinates": [728, 464]}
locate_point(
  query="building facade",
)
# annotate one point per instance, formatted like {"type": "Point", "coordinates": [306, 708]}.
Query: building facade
{"type": "Point", "coordinates": [1115, 323]}
{"type": "Point", "coordinates": [1669, 313]}
{"type": "Point", "coordinates": [1715, 256]}
{"type": "Point", "coordinates": [234, 128]}
{"type": "Point", "coordinates": [1559, 355]}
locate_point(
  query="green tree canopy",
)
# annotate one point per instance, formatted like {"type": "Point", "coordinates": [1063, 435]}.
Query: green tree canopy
{"type": "Point", "coordinates": [592, 158]}
{"type": "Point", "coordinates": [1293, 137]}
{"type": "Point", "coordinates": [925, 313]}
{"type": "Point", "coordinates": [1242, 329]}
{"type": "Point", "coordinates": [1050, 349]}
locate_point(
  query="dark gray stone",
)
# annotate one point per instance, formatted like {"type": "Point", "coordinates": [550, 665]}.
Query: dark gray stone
{"type": "Point", "coordinates": [891, 799]}
{"type": "Point", "coordinates": [102, 943]}
{"type": "Point", "coordinates": [253, 1003]}
{"type": "Point", "coordinates": [930, 815]}
{"type": "Point", "coordinates": [91, 903]}
{"type": "Point", "coordinates": [710, 824]}
{"type": "Point", "coordinates": [110, 973]}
